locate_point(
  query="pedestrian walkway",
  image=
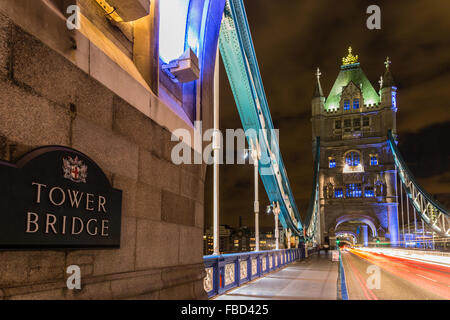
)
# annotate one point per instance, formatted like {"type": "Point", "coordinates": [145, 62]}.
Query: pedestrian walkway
{"type": "Point", "coordinates": [314, 278]}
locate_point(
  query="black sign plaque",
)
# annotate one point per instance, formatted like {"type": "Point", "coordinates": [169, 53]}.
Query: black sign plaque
{"type": "Point", "coordinates": [57, 197]}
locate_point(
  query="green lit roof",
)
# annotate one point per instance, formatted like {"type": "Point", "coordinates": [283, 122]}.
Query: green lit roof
{"type": "Point", "coordinates": [351, 72]}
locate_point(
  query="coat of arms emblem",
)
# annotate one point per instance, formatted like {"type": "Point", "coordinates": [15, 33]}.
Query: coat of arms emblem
{"type": "Point", "coordinates": [74, 169]}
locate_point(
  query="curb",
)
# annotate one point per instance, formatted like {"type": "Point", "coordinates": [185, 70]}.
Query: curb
{"type": "Point", "coordinates": [342, 285]}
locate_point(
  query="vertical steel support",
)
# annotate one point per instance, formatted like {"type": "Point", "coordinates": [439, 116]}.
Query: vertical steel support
{"type": "Point", "coordinates": [216, 146]}
{"type": "Point", "coordinates": [415, 227]}
{"type": "Point", "coordinates": [423, 235]}
{"type": "Point", "coordinates": [407, 213]}
{"type": "Point", "coordinates": [401, 208]}
{"type": "Point", "coordinates": [255, 157]}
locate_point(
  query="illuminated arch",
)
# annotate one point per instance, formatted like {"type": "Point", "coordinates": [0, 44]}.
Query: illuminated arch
{"type": "Point", "coordinates": [363, 219]}
{"type": "Point", "coordinates": [353, 161]}
{"type": "Point", "coordinates": [347, 242]}
{"type": "Point", "coordinates": [345, 233]}
{"type": "Point", "coordinates": [354, 155]}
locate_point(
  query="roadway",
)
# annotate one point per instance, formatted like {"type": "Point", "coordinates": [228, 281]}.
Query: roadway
{"type": "Point", "coordinates": [400, 278]}
{"type": "Point", "coordinates": [314, 278]}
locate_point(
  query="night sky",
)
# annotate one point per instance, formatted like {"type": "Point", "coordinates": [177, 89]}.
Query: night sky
{"type": "Point", "coordinates": [292, 38]}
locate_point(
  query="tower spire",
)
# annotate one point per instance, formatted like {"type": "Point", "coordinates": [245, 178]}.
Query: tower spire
{"type": "Point", "coordinates": [388, 80]}
{"type": "Point", "coordinates": [318, 88]}
{"type": "Point", "coordinates": [381, 82]}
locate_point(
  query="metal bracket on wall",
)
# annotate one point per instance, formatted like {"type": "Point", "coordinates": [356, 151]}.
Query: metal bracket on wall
{"type": "Point", "coordinates": [116, 20]}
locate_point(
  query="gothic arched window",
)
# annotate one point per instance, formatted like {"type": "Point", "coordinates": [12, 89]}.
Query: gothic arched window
{"type": "Point", "coordinates": [353, 159]}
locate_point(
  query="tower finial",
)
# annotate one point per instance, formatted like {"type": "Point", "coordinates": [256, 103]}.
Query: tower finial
{"type": "Point", "coordinates": [387, 62]}
{"type": "Point", "coordinates": [381, 82]}
{"type": "Point", "coordinates": [350, 58]}
{"type": "Point", "coordinates": [318, 88]}
{"type": "Point", "coordinates": [318, 73]}
{"type": "Point", "coordinates": [388, 80]}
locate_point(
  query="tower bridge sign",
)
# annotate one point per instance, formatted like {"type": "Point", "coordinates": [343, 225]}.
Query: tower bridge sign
{"type": "Point", "coordinates": [57, 197]}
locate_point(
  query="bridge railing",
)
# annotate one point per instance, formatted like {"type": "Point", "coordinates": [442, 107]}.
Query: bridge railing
{"type": "Point", "coordinates": [227, 271]}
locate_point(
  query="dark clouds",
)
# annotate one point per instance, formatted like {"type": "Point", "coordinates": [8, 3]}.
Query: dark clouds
{"type": "Point", "coordinates": [292, 38]}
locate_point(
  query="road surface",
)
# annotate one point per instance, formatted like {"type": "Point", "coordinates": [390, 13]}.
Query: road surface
{"type": "Point", "coordinates": [399, 278]}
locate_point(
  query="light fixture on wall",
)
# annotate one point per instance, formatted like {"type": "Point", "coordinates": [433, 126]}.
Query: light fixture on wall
{"type": "Point", "coordinates": [184, 69]}
{"type": "Point", "coordinates": [116, 20]}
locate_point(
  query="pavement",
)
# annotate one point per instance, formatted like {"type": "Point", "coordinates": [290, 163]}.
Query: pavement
{"type": "Point", "coordinates": [314, 278]}
{"type": "Point", "coordinates": [374, 276]}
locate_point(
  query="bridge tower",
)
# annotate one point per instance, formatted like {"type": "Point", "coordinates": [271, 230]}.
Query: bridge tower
{"type": "Point", "coordinates": [358, 192]}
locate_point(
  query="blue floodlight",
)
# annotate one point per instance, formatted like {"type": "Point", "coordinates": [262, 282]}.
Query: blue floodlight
{"type": "Point", "coordinates": [172, 28]}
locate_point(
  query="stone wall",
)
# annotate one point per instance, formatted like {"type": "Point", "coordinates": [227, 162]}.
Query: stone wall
{"type": "Point", "coordinates": [47, 100]}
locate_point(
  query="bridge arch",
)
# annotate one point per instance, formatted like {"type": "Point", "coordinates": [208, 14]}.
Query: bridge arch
{"type": "Point", "coordinates": [361, 218]}
{"type": "Point", "coordinates": [347, 234]}
{"type": "Point", "coordinates": [347, 242]}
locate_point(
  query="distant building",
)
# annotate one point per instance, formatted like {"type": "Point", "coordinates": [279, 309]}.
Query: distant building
{"type": "Point", "coordinates": [225, 240]}
{"type": "Point", "coordinates": [238, 240]}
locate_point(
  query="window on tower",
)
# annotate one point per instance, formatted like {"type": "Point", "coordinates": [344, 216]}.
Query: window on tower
{"type": "Point", "coordinates": [373, 160]}
{"type": "Point", "coordinates": [337, 124]}
{"type": "Point", "coordinates": [346, 104]}
{"type": "Point", "coordinates": [368, 192]}
{"type": "Point", "coordinates": [353, 159]}
{"type": "Point", "coordinates": [366, 121]}
{"type": "Point", "coordinates": [357, 124]}
{"type": "Point", "coordinates": [353, 190]}
{"type": "Point", "coordinates": [331, 162]}
{"type": "Point", "coordinates": [355, 103]}
{"type": "Point", "coordinates": [338, 193]}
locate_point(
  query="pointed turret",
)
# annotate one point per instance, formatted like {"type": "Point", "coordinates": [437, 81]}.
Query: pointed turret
{"type": "Point", "coordinates": [388, 88]}
{"type": "Point", "coordinates": [318, 88]}
{"type": "Point", "coordinates": [388, 94]}
{"type": "Point", "coordinates": [318, 100]}
{"type": "Point", "coordinates": [388, 80]}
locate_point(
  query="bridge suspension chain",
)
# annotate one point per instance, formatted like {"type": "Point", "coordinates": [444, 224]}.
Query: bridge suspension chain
{"type": "Point", "coordinates": [431, 212]}
{"type": "Point", "coordinates": [238, 55]}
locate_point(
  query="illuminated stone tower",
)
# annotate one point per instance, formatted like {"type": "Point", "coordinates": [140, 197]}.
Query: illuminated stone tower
{"type": "Point", "coordinates": [358, 197]}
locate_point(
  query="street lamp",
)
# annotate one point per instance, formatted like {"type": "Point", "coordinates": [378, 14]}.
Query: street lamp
{"type": "Point", "coordinates": [276, 212]}
{"type": "Point", "coordinates": [275, 209]}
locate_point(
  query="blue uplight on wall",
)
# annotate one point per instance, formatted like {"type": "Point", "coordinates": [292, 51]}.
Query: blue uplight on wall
{"type": "Point", "coordinates": [173, 28]}
{"type": "Point", "coordinates": [394, 99]}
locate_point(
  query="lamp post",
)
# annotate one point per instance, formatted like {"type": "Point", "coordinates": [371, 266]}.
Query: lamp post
{"type": "Point", "coordinates": [276, 211]}
{"type": "Point", "coordinates": [288, 235]}
{"type": "Point", "coordinates": [256, 154]}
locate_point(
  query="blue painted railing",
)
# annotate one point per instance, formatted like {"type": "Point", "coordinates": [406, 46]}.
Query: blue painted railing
{"type": "Point", "coordinates": [227, 271]}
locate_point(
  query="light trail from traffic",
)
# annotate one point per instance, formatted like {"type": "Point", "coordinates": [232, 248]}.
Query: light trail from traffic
{"type": "Point", "coordinates": [401, 278]}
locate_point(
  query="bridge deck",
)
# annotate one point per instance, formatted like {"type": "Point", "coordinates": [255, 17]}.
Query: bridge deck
{"type": "Point", "coordinates": [310, 279]}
